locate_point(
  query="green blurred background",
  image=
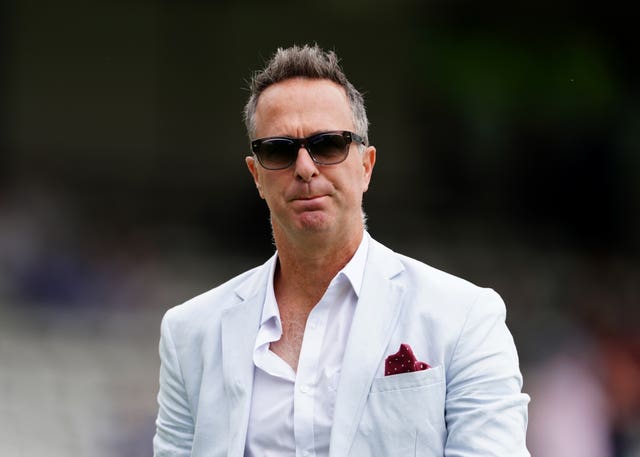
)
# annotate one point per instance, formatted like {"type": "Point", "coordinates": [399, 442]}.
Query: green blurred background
{"type": "Point", "coordinates": [507, 140]}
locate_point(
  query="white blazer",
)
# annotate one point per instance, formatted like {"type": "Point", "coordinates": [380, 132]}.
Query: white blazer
{"type": "Point", "coordinates": [468, 404]}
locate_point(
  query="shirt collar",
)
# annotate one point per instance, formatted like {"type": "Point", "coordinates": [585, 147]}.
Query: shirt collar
{"type": "Point", "coordinates": [270, 307]}
{"type": "Point", "coordinates": [353, 271]}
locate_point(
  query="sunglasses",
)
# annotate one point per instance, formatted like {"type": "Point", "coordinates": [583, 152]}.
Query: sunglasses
{"type": "Point", "coordinates": [326, 148]}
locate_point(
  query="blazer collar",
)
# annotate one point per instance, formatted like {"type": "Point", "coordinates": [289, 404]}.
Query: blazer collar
{"type": "Point", "coordinates": [374, 320]}
{"type": "Point", "coordinates": [240, 324]}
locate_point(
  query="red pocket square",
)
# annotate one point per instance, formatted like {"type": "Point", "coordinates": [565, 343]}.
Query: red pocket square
{"type": "Point", "coordinates": [403, 361]}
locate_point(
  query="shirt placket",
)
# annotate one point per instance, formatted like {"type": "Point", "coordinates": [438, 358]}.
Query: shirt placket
{"type": "Point", "coordinates": [306, 384]}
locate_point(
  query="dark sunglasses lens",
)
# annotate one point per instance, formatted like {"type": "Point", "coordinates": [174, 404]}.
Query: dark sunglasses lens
{"type": "Point", "coordinates": [328, 148]}
{"type": "Point", "coordinates": [277, 153]}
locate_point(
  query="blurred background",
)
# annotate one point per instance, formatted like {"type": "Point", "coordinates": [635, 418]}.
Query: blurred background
{"type": "Point", "coordinates": [508, 154]}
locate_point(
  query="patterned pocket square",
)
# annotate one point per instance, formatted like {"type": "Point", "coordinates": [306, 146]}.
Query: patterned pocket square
{"type": "Point", "coordinates": [403, 361]}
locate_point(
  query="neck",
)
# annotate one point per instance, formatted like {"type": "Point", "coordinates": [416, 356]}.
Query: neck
{"type": "Point", "coordinates": [307, 266]}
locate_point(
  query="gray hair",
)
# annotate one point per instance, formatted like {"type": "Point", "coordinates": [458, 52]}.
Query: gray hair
{"type": "Point", "coordinates": [310, 62]}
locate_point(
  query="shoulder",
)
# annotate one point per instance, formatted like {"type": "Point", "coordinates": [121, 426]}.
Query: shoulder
{"type": "Point", "coordinates": [416, 272]}
{"type": "Point", "coordinates": [206, 308]}
{"type": "Point", "coordinates": [441, 290]}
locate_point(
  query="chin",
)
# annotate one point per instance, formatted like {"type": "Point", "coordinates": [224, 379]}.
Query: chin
{"type": "Point", "coordinates": [314, 222]}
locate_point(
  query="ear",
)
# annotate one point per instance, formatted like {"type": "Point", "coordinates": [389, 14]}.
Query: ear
{"type": "Point", "coordinates": [253, 169]}
{"type": "Point", "coordinates": [368, 162]}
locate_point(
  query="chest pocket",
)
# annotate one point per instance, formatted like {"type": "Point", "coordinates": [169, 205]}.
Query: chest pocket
{"type": "Point", "coordinates": [414, 380]}
{"type": "Point", "coordinates": [401, 411]}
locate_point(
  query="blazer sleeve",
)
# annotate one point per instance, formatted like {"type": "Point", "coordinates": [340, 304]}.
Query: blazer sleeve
{"type": "Point", "coordinates": [485, 410]}
{"type": "Point", "coordinates": [174, 424]}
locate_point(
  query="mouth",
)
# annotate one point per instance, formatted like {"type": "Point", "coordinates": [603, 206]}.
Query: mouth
{"type": "Point", "coordinates": [312, 203]}
{"type": "Point", "coordinates": [315, 197]}
{"type": "Point", "coordinates": [304, 197]}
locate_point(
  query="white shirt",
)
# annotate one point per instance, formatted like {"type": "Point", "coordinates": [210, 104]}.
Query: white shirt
{"type": "Point", "coordinates": [292, 413]}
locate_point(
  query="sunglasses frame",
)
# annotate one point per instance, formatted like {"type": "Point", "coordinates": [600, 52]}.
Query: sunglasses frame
{"type": "Point", "coordinates": [348, 136]}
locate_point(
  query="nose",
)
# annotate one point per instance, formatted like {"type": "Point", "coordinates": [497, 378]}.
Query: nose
{"type": "Point", "coordinates": [304, 167]}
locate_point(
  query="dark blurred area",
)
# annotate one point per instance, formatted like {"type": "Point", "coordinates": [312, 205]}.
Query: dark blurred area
{"type": "Point", "coordinates": [508, 154]}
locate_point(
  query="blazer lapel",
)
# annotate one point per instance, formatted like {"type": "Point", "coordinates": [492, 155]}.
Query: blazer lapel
{"type": "Point", "coordinates": [374, 320]}
{"type": "Point", "coordinates": [240, 326]}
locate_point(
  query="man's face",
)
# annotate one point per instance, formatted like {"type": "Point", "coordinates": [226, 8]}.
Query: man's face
{"type": "Point", "coordinates": [308, 197]}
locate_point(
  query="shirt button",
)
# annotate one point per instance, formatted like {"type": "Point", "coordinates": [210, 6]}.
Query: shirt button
{"type": "Point", "coordinates": [304, 389]}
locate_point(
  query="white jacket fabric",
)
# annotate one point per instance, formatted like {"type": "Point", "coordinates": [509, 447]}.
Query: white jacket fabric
{"type": "Point", "coordinates": [469, 403]}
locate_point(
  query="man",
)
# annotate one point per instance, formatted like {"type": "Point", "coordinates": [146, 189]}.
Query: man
{"type": "Point", "coordinates": [336, 346]}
